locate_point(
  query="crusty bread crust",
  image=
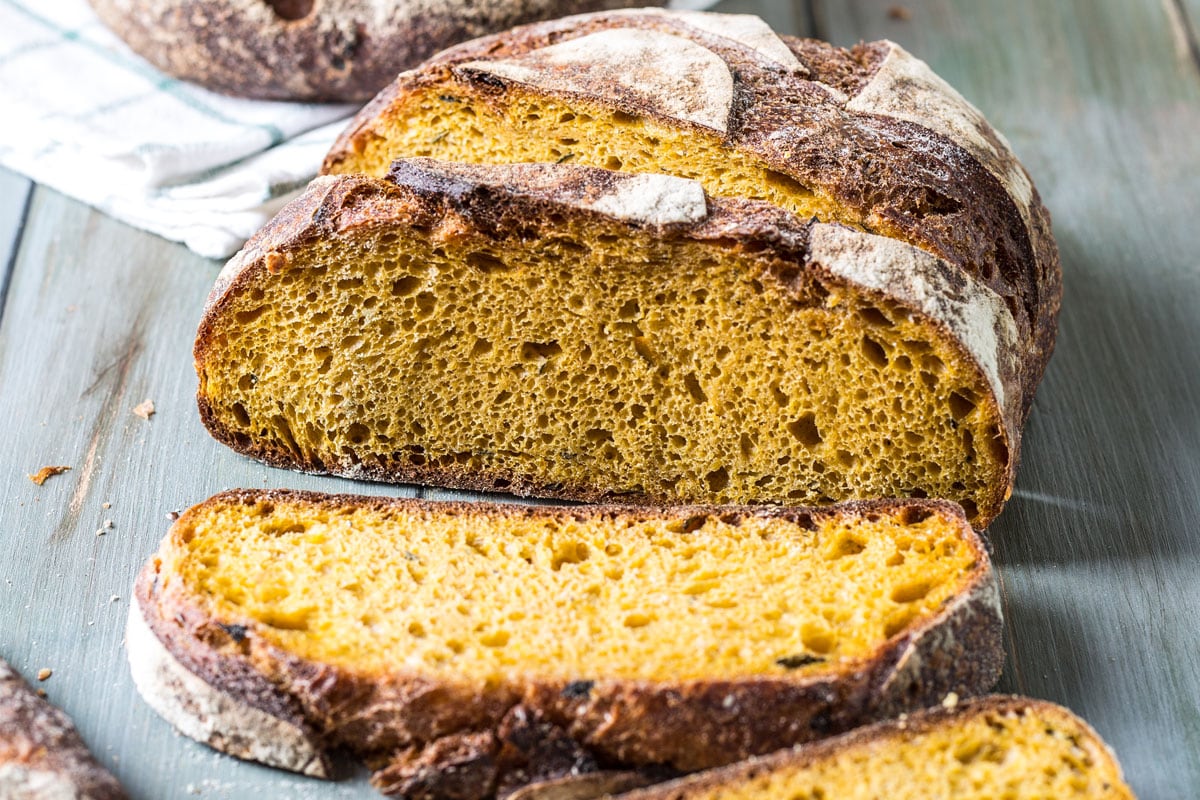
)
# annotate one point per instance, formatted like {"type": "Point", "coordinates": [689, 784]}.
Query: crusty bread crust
{"type": "Point", "coordinates": [872, 127]}
{"type": "Point", "coordinates": [688, 725]}
{"type": "Point", "coordinates": [211, 716]}
{"type": "Point", "coordinates": [1103, 761]}
{"type": "Point", "coordinates": [505, 201]}
{"type": "Point", "coordinates": [333, 50]}
{"type": "Point", "coordinates": [42, 756]}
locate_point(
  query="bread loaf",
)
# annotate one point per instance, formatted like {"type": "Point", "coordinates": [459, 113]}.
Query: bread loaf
{"type": "Point", "coordinates": [314, 50]}
{"type": "Point", "coordinates": [993, 747]}
{"type": "Point", "coordinates": [579, 333]}
{"type": "Point", "coordinates": [468, 649]}
{"type": "Point", "coordinates": [869, 137]}
{"type": "Point", "coordinates": [42, 756]}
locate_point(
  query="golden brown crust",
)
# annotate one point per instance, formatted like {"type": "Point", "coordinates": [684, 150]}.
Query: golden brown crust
{"type": "Point", "coordinates": [498, 202]}
{"type": "Point", "coordinates": [905, 179]}
{"type": "Point", "coordinates": [392, 718]}
{"type": "Point", "coordinates": [41, 753]}
{"type": "Point", "coordinates": [908, 726]}
{"type": "Point", "coordinates": [330, 51]}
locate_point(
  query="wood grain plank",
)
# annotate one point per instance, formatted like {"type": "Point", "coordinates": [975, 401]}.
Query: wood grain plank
{"type": "Point", "coordinates": [1097, 550]}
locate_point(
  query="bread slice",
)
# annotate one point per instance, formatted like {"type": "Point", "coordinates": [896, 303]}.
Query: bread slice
{"type": "Point", "coordinates": [593, 335]}
{"type": "Point", "coordinates": [869, 137]}
{"type": "Point", "coordinates": [987, 748]}
{"type": "Point", "coordinates": [42, 756]}
{"type": "Point", "coordinates": [467, 649]}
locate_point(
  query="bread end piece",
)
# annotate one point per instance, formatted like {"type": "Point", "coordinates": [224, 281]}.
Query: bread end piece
{"type": "Point", "coordinates": [211, 716]}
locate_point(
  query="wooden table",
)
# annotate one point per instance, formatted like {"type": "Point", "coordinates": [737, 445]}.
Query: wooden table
{"type": "Point", "coordinates": [1099, 550]}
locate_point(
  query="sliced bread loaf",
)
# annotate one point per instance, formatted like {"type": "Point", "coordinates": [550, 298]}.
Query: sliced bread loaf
{"type": "Point", "coordinates": [467, 649]}
{"type": "Point", "coordinates": [988, 748]}
{"type": "Point", "coordinates": [42, 756]}
{"type": "Point", "coordinates": [313, 50]}
{"type": "Point", "coordinates": [579, 333]}
{"type": "Point", "coordinates": [869, 137]}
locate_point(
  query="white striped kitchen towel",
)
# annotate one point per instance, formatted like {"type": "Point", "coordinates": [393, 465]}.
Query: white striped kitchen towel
{"type": "Point", "coordinates": [81, 113]}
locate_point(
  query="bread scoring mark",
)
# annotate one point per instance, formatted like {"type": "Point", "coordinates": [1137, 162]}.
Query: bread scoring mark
{"type": "Point", "coordinates": [904, 87]}
{"type": "Point", "coordinates": [211, 716]}
{"type": "Point", "coordinates": [651, 200]}
{"type": "Point", "coordinates": [641, 198]}
{"type": "Point", "coordinates": [975, 314]}
{"type": "Point", "coordinates": [650, 71]}
{"type": "Point", "coordinates": [745, 29]}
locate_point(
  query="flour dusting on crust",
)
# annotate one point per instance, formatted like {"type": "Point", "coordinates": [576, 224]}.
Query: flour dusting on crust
{"type": "Point", "coordinates": [974, 313]}
{"type": "Point", "coordinates": [745, 29]}
{"type": "Point", "coordinates": [647, 70]}
{"type": "Point", "coordinates": [211, 716]}
{"type": "Point", "coordinates": [906, 88]}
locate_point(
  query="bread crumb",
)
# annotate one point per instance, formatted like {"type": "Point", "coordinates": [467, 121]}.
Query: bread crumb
{"type": "Point", "coordinates": [901, 13]}
{"type": "Point", "coordinates": [114, 598]}
{"type": "Point", "coordinates": [41, 693]}
{"type": "Point", "coordinates": [44, 673]}
{"type": "Point", "coordinates": [108, 523]}
{"type": "Point", "coordinates": [106, 505]}
{"type": "Point", "coordinates": [172, 515]}
{"type": "Point", "coordinates": [42, 474]}
{"type": "Point", "coordinates": [950, 700]}
{"type": "Point", "coordinates": [144, 409]}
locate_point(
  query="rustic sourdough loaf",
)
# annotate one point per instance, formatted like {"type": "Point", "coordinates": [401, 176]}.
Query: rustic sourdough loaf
{"type": "Point", "coordinates": [323, 50]}
{"type": "Point", "coordinates": [992, 747]}
{"type": "Point", "coordinates": [869, 137]}
{"type": "Point", "coordinates": [579, 333]}
{"type": "Point", "coordinates": [467, 649]}
{"type": "Point", "coordinates": [42, 756]}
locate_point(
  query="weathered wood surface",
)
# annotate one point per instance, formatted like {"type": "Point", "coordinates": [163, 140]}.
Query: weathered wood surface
{"type": "Point", "coordinates": [1098, 550]}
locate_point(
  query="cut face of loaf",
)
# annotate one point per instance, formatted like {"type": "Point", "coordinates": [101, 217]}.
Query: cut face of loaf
{"type": "Point", "coordinates": [578, 333]}
{"type": "Point", "coordinates": [484, 639]}
{"type": "Point", "coordinates": [988, 748]}
{"type": "Point", "coordinates": [869, 137]}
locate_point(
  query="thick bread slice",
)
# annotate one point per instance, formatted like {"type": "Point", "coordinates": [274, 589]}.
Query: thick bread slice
{"type": "Point", "coordinates": [42, 756]}
{"type": "Point", "coordinates": [869, 137]}
{"type": "Point", "coordinates": [987, 748]}
{"type": "Point", "coordinates": [469, 649]}
{"type": "Point", "coordinates": [579, 333]}
{"type": "Point", "coordinates": [312, 50]}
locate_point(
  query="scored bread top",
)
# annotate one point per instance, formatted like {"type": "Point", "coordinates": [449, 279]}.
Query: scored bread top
{"type": "Point", "coordinates": [873, 128]}
{"type": "Point", "coordinates": [520, 201]}
{"type": "Point", "coordinates": [223, 612]}
{"type": "Point", "coordinates": [977, 749]}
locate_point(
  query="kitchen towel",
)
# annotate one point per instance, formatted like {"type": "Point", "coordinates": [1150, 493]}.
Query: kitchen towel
{"type": "Point", "coordinates": [82, 114]}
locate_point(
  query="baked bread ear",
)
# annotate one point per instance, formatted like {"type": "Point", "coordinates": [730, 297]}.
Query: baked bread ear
{"type": "Point", "coordinates": [312, 50]}
{"type": "Point", "coordinates": [869, 137]}
{"type": "Point", "coordinates": [468, 649]}
{"type": "Point", "coordinates": [986, 748]}
{"type": "Point", "coordinates": [585, 334]}
{"type": "Point", "coordinates": [42, 756]}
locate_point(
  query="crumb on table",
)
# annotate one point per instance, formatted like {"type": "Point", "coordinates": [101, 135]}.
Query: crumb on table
{"type": "Point", "coordinates": [42, 474]}
{"type": "Point", "coordinates": [144, 409]}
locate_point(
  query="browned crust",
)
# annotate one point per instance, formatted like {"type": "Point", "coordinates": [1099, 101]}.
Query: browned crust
{"type": "Point", "coordinates": [37, 739]}
{"type": "Point", "coordinates": [686, 725]}
{"type": "Point", "coordinates": [335, 51]}
{"type": "Point", "coordinates": [333, 207]}
{"type": "Point", "coordinates": [906, 180]}
{"type": "Point", "coordinates": [896, 729]}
